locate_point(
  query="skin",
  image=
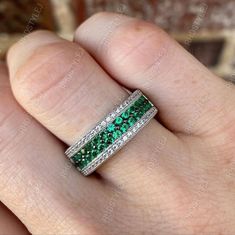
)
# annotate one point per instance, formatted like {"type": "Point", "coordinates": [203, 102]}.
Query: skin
{"type": "Point", "coordinates": [175, 178]}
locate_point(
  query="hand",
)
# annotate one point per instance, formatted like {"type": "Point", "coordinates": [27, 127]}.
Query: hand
{"type": "Point", "coordinates": [176, 177]}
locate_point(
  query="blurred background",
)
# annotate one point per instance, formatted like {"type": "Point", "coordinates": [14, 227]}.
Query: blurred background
{"type": "Point", "coordinates": [205, 28]}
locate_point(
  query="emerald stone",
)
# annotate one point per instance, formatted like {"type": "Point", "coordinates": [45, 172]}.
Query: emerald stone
{"type": "Point", "coordinates": [131, 121]}
{"type": "Point", "coordinates": [93, 153]}
{"type": "Point", "coordinates": [84, 162]}
{"type": "Point", "coordinates": [112, 132]}
{"type": "Point", "coordinates": [105, 137]}
{"type": "Point", "coordinates": [140, 101]}
{"type": "Point", "coordinates": [136, 109]}
{"type": "Point", "coordinates": [76, 158]}
{"type": "Point", "coordinates": [126, 114]}
{"type": "Point", "coordinates": [111, 127]}
{"type": "Point", "coordinates": [117, 134]}
{"type": "Point", "coordinates": [118, 120]}
{"type": "Point", "coordinates": [100, 148]}
{"type": "Point", "coordinates": [110, 140]}
{"type": "Point", "coordinates": [79, 160]}
{"type": "Point", "coordinates": [138, 115]}
{"type": "Point", "coordinates": [132, 109]}
{"type": "Point", "coordinates": [148, 106]}
{"type": "Point", "coordinates": [124, 127]}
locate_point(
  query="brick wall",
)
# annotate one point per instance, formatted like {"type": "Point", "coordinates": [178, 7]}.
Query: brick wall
{"type": "Point", "coordinates": [205, 28]}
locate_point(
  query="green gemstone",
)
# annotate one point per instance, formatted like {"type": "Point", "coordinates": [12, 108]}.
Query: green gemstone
{"type": "Point", "coordinates": [131, 121]}
{"type": "Point", "coordinates": [94, 154]}
{"type": "Point", "coordinates": [147, 107]}
{"type": "Point", "coordinates": [124, 127]}
{"type": "Point", "coordinates": [126, 114]}
{"type": "Point", "coordinates": [117, 134]}
{"type": "Point", "coordinates": [105, 137]}
{"type": "Point", "coordinates": [76, 158]}
{"type": "Point", "coordinates": [113, 131]}
{"type": "Point", "coordinates": [94, 143]}
{"type": "Point", "coordinates": [118, 120]}
{"type": "Point", "coordinates": [140, 101]}
{"type": "Point", "coordinates": [132, 109]}
{"type": "Point", "coordinates": [101, 147]}
{"type": "Point", "coordinates": [138, 107]}
{"type": "Point", "coordinates": [138, 115]}
{"type": "Point", "coordinates": [111, 127]}
{"type": "Point", "coordinates": [79, 160]}
{"type": "Point", "coordinates": [84, 162]}
{"type": "Point", "coordinates": [110, 141]}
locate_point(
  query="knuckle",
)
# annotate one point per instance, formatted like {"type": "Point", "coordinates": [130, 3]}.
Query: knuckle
{"type": "Point", "coordinates": [24, 40]}
{"type": "Point", "coordinates": [47, 72]}
{"type": "Point", "coordinates": [138, 43]}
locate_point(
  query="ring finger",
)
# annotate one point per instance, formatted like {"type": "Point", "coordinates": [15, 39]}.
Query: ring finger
{"type": "Point", "coordinates": [68, 92]}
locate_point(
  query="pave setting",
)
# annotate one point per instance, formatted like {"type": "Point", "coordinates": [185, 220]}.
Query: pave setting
{"type": "Point", "coordinates": [111, 133]}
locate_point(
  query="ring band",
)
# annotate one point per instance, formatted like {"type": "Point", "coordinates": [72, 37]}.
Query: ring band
{"type": "Point", "coordinates": [111, 133]}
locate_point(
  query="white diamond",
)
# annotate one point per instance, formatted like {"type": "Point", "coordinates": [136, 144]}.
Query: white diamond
{"type": "Point", "coordinates": [129, 133]}
{"type": "Point", "coordinates": [121, 106]}
{"type": "Point", "coordinates": [134, 129]}
{"type": "Point", "coordinates": [115, 146]}
{"type": "Point", "coordinates": [98, 128]}
{"type": "Point", "coordinates": [103, 123]}
{"type": "Point", "coordinates": [108, 118]}
{"type": "Point", "coordinates": [92, 133]}
{"type": "Point", "coordinates": [119, 142]}
{"type": "Point", "coordinates": [124, 137]}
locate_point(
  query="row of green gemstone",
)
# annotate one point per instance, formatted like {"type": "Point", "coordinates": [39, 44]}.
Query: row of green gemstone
{"type": "Point", "coordinates": [112, 132]}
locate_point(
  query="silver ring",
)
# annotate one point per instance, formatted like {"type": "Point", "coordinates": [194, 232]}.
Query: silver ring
{"type": "Point", "coordinates": [111, 133]}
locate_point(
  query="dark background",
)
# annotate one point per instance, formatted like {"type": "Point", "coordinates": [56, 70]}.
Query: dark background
{"type": "Point", "coordinates": [205, 28]}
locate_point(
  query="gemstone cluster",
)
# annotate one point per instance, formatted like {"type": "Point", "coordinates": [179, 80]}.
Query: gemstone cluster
{"type": "Point", "coordinates": [115, 131]}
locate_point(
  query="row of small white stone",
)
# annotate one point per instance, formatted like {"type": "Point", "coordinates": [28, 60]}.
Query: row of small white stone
{"type": "Point", "coordinates": [120, 142]}
{"type": "Point", "coordinates": [103, 123]}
